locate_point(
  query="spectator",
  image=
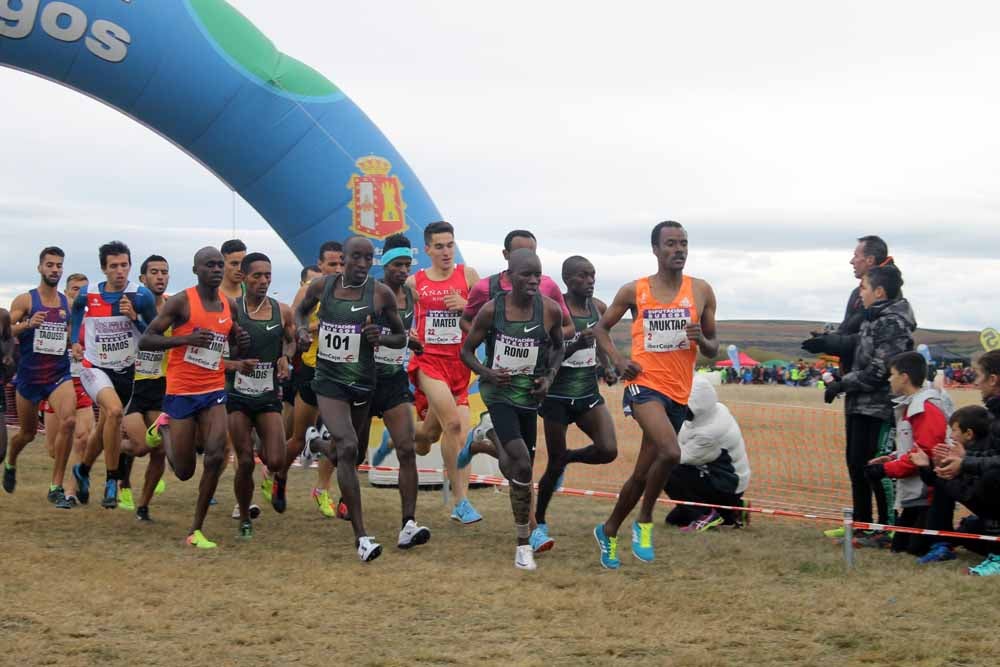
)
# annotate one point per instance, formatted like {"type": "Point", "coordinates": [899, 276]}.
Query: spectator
{"type": "Point", "coordinates": [887, 331]}
{"type": "Point", "coordinates": [714, 467]}
{"type": "Point", "coordinates": [921, 423]}
{"type": "Point", "coordinates": [969, 472]}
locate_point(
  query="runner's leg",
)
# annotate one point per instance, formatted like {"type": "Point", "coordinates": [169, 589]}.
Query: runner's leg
{"type": "Point", "coordinates": [666, 453]}
{"type": "Point", "coordinates": [399, 422]}
{"type": "Point", "coordinates": [454, 420]}
{"type": "Point", "coordinates": [212, 428]}
{"type": "Point", "coordinates": [239, 434]}
{"type": "Point", "coordinates": [63, 402]}
{"type": "Point", "coordinates": [343, 424]}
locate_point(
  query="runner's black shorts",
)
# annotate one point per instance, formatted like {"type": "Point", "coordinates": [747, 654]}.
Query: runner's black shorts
{"type": "Point", "coordinates": [356, 397]}
{"type": "Point", "coordinates": [511, 423]}
{"type": "Point", "coordinates": [390, 392]}
{"type": "Point", "coordinates": [147, 396]}
{"type": "Point", "coordinates": [302, 379]}
{"type": "Point", "coordinates": [252, 406]}
{"type": "Point", "coordinates": [568, 410]}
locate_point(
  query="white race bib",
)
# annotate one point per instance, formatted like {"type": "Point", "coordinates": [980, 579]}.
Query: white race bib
{"type": "Point", "coordinates": [664, 329]}
{"type": "Point", "coordinates": [258, 383]}
{"type": "Point", "coordinates": [585, 358]}
{"type": "Point", "coordinates": [116, 350]}
{"type": "Point", "coordinates": [149, 363]}
{"type": "Point", "coordinates": [517, 356]}
{"type": "Point", "coordinates": [390, 356]}
{"type": "Point", "coordinates": [50, 338]}
{"type": "Point", "coordinates": [339, 343]}
{"type": "Point", "coordinates": [441, 327]}
{"type": "Point", "coordinates": [206, 357]}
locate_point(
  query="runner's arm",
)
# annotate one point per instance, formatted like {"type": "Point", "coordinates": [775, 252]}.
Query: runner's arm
{"type": "Point", "coordinates": [175, 311]}
{"type": "Point", "coordinates": [146, 307]}
{"type": "Point", "coordinates": [556, 350]}
{"type": "Point", "coordinates": [477, 334]}
{"type": "Point", "coordinates": [19, 310]}
{"type": "Point", "coordinates": [301, 312]}
{"type": "Point", "coordinates": [288, 329]}
{"type": "Point", "coordinates": [624, 302]}
{"type": "Point", "coordinates": [77, 309]}
{"type": "Point", "coordinates": [610, 375]}
{"type": "Point", "coordinates": [478, 296]}
{"type": "Point", "coordinates": [397, 339]}
{"type": "Point", "coordinates": [705, 330]}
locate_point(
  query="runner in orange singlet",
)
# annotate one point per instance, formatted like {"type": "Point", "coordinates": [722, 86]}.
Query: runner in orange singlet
{"type": "Point", "coordinates": [671, 314]}
{"type": "Point", "coordinates": [202, 322]}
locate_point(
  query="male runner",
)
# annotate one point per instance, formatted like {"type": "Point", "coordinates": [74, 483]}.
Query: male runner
{"type": "Point", "coordinates": [111, 319]}
{"type": "Point", "coordinates": [393, 401]}
{"type": "Point", "coordinates": [349, 304]}
{"type": "Point", "coordinates": [146, 403]}
{"type": "Point", "coordinates": [84, 408]}
{"type": "Point", "coordinates": [440, 377]}
{"type": "Point", "coordinates": [288, 388]}
{"type": "Point", "coordinates": [670, 311]}
{"type": "Point", "coordinates": [40, 318]}
{"type": "Point", "coordinates": [331, 261]}
{"type": "Point", "coordinates": [524, 347]}
{"type": "Point", "coordinates": [202, 321]}
{"type": "Point", "coordinates": [7, 370]}
{"type": "Point", "coordinates": [574, 397]}
{"type": "Point", "coordinates": [254, 401]}
{"type": "Point", "coordinates": [233, 251]}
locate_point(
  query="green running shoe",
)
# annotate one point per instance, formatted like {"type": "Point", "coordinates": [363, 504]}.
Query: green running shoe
{"type": "Point", "coordinates": [246, 530]}
{"type": "Point", "coordinates": [125, 500]}
{"type": "Point", "coordinates": [199, 541]}
{"type": "Point", "coordinates": [161, 486]}
{"type": "Point", "coordinates": [834, 533]}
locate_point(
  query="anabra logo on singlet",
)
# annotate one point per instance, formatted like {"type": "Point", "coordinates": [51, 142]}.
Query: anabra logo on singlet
{"type": "Point", "coordinates": [67, 23]}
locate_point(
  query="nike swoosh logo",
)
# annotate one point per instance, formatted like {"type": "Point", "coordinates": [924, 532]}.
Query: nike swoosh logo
{"type": "Point", "coordinates": [593, 404]}
{"type": "Point", "coordinates": [407, 314]}
{"type": "Point", "coordinates": [354, 310]}
{"type": "Point", "coordinates": [272, 328]}
{"type": "Point", "coordinates": [358, 405]}
{"type": "Point", "coordinates": [223, 320]}
{"type": "Point", "coordinates": [530, 329]}
{"type": "Point", "coordinates": [221, 399]}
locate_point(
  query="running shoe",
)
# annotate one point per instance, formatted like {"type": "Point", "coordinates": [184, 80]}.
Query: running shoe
{"type": "Point", "coordinates": [142, 514]}
{"type": "Point", "coordinates": [368, 549]}
{"type": "Point", "coordinates": [540, 541]}
{"type": "Point", "coordinates": [609, 549]}
{"type": "Point", "coordinates": [524, 558]}
{"type": "Point", "coordinates": [278, 496]}
{"type": "Point", "coordinates": [196, 539]}
{"type": "Point", "coordinates": [253, 511]}
{"type": "Point", "coordinates": [938, 553]}
{"type": "Point", "coordinates": [265, 489]}
{"type": "Point", "coordinates": [246, 530]}
{"type": "Point", "coordinates": [153, 436]}
{"type": "Point", "coordinates": [110, 500]}
{"type": "Point", "coordinates": [642, 541]}
{"type": "Point", "coordinates": [483, 428]}
{"type": "Point", "coordinates": [834, 533]}
{"type": "Point", "coordinates": [161, 486]}
{"type": "Point", "coordinates": [342, 512]}
{"type": "Point", "coordinates": [58, 498]}
{"type": "Point", "coordinates": [988, 568]}
{"type": "Point", "coordinates": [413, 535]}
{"type": "Point", "coordinates": [82, 483]}
{"type": "Point", "coordinates": [465, 455]}
{"type": "Point", "coordinates": [383, 449]}
{"type": "Point", "coordinates": [872, 539]}
{"type": "Point", "coordinates": [705, 522]}
{"type": "Point", "coordinates": [312, 434]}
{"type": "Point", "coordinates": [465, 512]}
{"type": "Point", "coordinates": [9, 478]}
{"type": "Point", "coordinates": [125, 500]}
{"type": "Point", "coordinates": [323, 502]}
{"type": "Point", "coordinates": [73, 501]}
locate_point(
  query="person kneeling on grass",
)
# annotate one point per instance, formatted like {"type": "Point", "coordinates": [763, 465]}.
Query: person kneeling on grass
{"type": "Point", "coordinates": [714, 466]}
{"type": "Point", "coordinates": [921, 423]}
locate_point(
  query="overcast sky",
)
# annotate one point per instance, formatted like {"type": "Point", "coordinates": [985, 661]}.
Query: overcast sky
{"type": "Point", "coordinates": [776, 132]}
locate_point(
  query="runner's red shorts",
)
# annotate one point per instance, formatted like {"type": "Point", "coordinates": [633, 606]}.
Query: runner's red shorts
{"type": "Point", "coordinates": [449, 370]}
{"type": "Point", "coordinates": [82, 400]}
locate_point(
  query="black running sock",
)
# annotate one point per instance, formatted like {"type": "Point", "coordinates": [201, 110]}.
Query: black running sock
{"type": "Point", "coordinates": [125, 469]}
{"type": "Point", "coordinates": [113, 475]}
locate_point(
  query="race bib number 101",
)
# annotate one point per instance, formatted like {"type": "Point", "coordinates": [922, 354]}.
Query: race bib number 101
{"type": "Point", "coordinates": [339, 343]}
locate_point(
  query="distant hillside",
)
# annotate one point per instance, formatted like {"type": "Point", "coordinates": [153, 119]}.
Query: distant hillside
{"type": "Point", "coordinates": [781, 339]}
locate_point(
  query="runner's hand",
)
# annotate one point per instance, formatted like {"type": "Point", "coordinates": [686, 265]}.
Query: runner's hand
{"type": "Point", "coordinates": [454, 301]}
{"type": "Point", "coordinates": [628, 369]}
{"type": "Point", "coordinates": [36, 320]}
{"type": "Point", "coordinates": [200, 338]}
{"type": "Point", "coordinates": [542, 384]}
{"type": "Point", "coordinates": [694, 333]}
{"type": "Point", "coordinates": [247, 366]}
{"type": "Point", "coordinates": [415, 345]}
{"type": "Point", "coordinates": [371, 331]}
{"type": "Point", "coordinates": [283, 371]}
{"type": "Point", "coordinates": [610, 376]}
{"type": "Point", "coordinates": [243, 340]}
{"type": "Point", "coordinates": [303, 339]}
{"type": "Point", "coordinates": [77, 352]}
{"type": "Point", "coordinates": [499, 378]}
{"type": "Point", "coordinates": [125, 308]}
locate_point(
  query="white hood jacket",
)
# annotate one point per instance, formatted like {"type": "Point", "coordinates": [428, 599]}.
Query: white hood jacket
{"type": "Point", "coordinates": [712, 440]}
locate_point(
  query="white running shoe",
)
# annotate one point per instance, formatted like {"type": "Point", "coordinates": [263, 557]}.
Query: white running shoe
{"type": "Point", "coordinates": [413, 535]}
{"type": "Point", "coordinates": [368, 549]}
{"type": "Point", "coordinates": [484, 426]}
{"type": "Point", "coordinates": [254, 511]}
{"type": "Point", "coordinates": [524, 558]}
{"type": "Point", "coordinates": [311, 434]}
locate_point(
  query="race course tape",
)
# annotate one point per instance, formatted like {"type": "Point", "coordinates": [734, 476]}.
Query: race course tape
{"type": "Point", "coordinates": [859, 525]}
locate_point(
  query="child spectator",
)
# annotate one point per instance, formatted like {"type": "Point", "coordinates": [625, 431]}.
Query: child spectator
{"type": "Point", "coordinates": [921, 423]}
{"type": "Point", "coordinates": [969, 472]}
{"type": "Point", "coordinates": [714, 467]}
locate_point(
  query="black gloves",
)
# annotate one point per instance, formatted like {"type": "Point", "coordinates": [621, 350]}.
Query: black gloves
{"type": "Point", "coordinates": [875, 472]}
{"type": "Point", "coordinates": [815, 345]}
{"type": "Point", "coordinates": [831, 392]}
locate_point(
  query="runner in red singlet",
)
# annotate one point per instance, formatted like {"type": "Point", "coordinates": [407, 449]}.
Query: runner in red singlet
{"type": "Point", "coordinates": [673, 317]}
{"type": "Point", "coordinates": [440, 377]}
{"type": "Point", "coordinates": [202, 322]}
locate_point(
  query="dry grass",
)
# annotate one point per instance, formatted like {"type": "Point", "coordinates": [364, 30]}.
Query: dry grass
{"type": "Point", "coordinates": [91, 586]}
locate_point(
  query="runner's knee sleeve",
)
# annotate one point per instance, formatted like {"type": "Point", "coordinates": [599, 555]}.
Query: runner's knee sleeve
{"type": "Point", "coordinates": [520, 502]}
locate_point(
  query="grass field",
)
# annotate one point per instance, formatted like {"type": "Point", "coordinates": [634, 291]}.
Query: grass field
{"type": "Point", "coordinates": [91, 586]}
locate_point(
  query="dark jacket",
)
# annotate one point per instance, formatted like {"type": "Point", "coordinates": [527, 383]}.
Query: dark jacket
{"type": "Point", "coordinates": [886, 331]}
{"type": "Point", "coordinates": [963, 487]}
{"type": "Point", "coordinates": [842, 342]}
{"type": "Point", "coordinates": [978, 465]}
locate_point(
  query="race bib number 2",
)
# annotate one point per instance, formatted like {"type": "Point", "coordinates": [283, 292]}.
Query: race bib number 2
{"type": "Point", "coordinates": [339, 343]}
{"type": "Point", "coordinates": [665, 329]}
{"type": "Point", "coordinates": [442, 328]}
{"type": "Point", "coordinates": [50, 338]}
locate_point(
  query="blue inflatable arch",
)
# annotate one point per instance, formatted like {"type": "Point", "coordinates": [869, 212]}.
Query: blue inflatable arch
{"type": "Point", "coordinates": [201, 75]}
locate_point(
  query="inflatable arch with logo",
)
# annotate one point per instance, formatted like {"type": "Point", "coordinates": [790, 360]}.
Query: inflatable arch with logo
{"type": "Point", "coordinates": [201, 75]}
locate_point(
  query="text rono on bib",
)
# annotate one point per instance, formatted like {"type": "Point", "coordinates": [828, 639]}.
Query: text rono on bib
{"type": "Point", "coordinates": [517, 356]}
